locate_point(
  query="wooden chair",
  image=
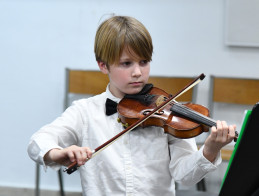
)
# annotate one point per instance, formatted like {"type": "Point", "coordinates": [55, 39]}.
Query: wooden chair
{"type": "Point", "coordinates": [84, 83]}
{"type": "Point", "coordinates": [234, 91]}
{"type": "Point", "coordinates": [173, 85]}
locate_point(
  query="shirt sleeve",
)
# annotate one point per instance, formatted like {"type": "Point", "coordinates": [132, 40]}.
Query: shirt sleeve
{"type": "Point", "coordinates": [63, 132]}
{"type": "Point", "coordinates": [188, 165]}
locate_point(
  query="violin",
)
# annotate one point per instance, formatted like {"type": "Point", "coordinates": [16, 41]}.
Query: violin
{"type": "Point", "coordinates": [180, 120]}
{"type": "Point", "coordinates": [158, 108]}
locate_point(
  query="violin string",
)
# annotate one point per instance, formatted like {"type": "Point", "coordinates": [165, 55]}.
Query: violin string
{"type": "Point", "coordinates": [196, 115]}
{"type": "Point", "coordinates": [183, 110]}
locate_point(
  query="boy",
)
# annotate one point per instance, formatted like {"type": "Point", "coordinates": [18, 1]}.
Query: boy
{"type": "Point", "coordinates": [143, 162]}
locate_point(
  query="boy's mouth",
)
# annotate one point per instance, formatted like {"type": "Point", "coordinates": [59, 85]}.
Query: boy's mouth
{"type": "Point", "coordinates": [136, 83]}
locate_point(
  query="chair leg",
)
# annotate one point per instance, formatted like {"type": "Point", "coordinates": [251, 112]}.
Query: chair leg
{"type": "Point", "coordinates": [37, 185]}
{"type": "Point", "coordinates": [61, 188]}
{"type": "Point", "coordinates": [201, 186]}
{"type": "Point", "coordinates": [176, 186]}
{"type": "Point", "coordinates": [37, 182]}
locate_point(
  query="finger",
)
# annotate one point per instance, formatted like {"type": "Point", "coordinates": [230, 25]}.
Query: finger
{"type": "Point", "coordinates": [89, 152]}
{"type": "Point", "coordinates": [79, 158]}
{"type": "Point", "coordinates": [213, 133]}
{"type": "Point", "coordinates": [84, 156]}
{"type": "Point", "coordinates": [71, 155]}
{"type": "Point", "coordinates": [225, 131]}
{"type": "Point", "coordinates": [219, 130]}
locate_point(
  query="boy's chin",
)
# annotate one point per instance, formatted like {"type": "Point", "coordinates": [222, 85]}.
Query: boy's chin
{"type": "Point", "coordinates": [134, 91]}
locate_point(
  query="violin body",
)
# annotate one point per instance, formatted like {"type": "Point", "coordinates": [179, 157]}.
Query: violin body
{"type": "Point", "coordinates": [131, 110]}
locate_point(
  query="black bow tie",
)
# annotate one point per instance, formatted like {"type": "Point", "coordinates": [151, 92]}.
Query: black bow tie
{"type": "Point", "coordinates": [111, 107]}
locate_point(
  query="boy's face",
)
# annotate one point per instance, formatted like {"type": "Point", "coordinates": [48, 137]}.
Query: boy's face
{"type": "Point", "coordinates": [129, 76]}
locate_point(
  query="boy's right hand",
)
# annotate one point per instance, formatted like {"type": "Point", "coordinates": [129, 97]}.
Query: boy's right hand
{"type": "Point", "coordinates": [69, 155]}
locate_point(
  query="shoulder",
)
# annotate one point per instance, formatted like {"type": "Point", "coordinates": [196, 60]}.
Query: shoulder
{"type": "Point", "coordinates": [91, 104]}
{"type": "Point", "coordinates": [96, 100]}
{"type": "Point", "coordinates": [84, 108]}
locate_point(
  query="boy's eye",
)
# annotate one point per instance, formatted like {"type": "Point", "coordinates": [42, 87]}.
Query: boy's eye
{"type": "Point", "coordinates": [129, 63]}
{"type": "Point", "coordinates": [126, 63]}
{"type": "Point", "coordinates": [143, 62]}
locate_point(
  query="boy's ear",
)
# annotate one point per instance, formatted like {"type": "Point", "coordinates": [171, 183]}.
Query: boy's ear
{"type": "Point", "coordinates": [103, 67]}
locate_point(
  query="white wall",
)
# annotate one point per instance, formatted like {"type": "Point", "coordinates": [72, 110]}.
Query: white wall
{"type": "Point", "coordinates": [40, 38]}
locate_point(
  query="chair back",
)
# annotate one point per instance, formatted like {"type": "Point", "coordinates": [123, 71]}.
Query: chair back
{"type": "Point", "coordinates": [174, 84]}
{"type": "Point", "coordinates": [240, 91]}
{"type": "Point", "coordinates": [88, 82]}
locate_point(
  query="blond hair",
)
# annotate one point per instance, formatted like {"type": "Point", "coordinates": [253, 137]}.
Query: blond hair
{"type": "Point", "coordinates": [118, 32]}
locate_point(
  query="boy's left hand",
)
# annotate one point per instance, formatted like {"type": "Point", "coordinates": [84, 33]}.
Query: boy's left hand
{"type": "Point", "coordinates": [219, 137]}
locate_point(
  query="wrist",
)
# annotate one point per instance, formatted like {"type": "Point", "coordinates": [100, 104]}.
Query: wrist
{"type": "Point", "coordinates": [48, 157]}
{"type": "Point", "coordinates": [210, 155]}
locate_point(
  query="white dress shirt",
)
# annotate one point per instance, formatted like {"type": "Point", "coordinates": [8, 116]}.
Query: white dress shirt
{"type": "Point", "coordinates": [143, 162]}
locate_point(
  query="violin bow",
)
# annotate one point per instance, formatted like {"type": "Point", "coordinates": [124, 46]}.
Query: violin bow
{"type": "Point", "coordinates": [73, 166]}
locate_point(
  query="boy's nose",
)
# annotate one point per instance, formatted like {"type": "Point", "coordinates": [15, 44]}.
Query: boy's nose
{"type": "Point", "coordinates": [136, 71]}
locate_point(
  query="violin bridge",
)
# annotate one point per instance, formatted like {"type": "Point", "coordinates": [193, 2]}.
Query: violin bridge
{"type": "Point", "coordinates": [161, 99]}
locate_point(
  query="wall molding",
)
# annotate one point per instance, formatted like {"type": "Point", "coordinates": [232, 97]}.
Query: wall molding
{"type": "Point", "coordinates": [14, 191]}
